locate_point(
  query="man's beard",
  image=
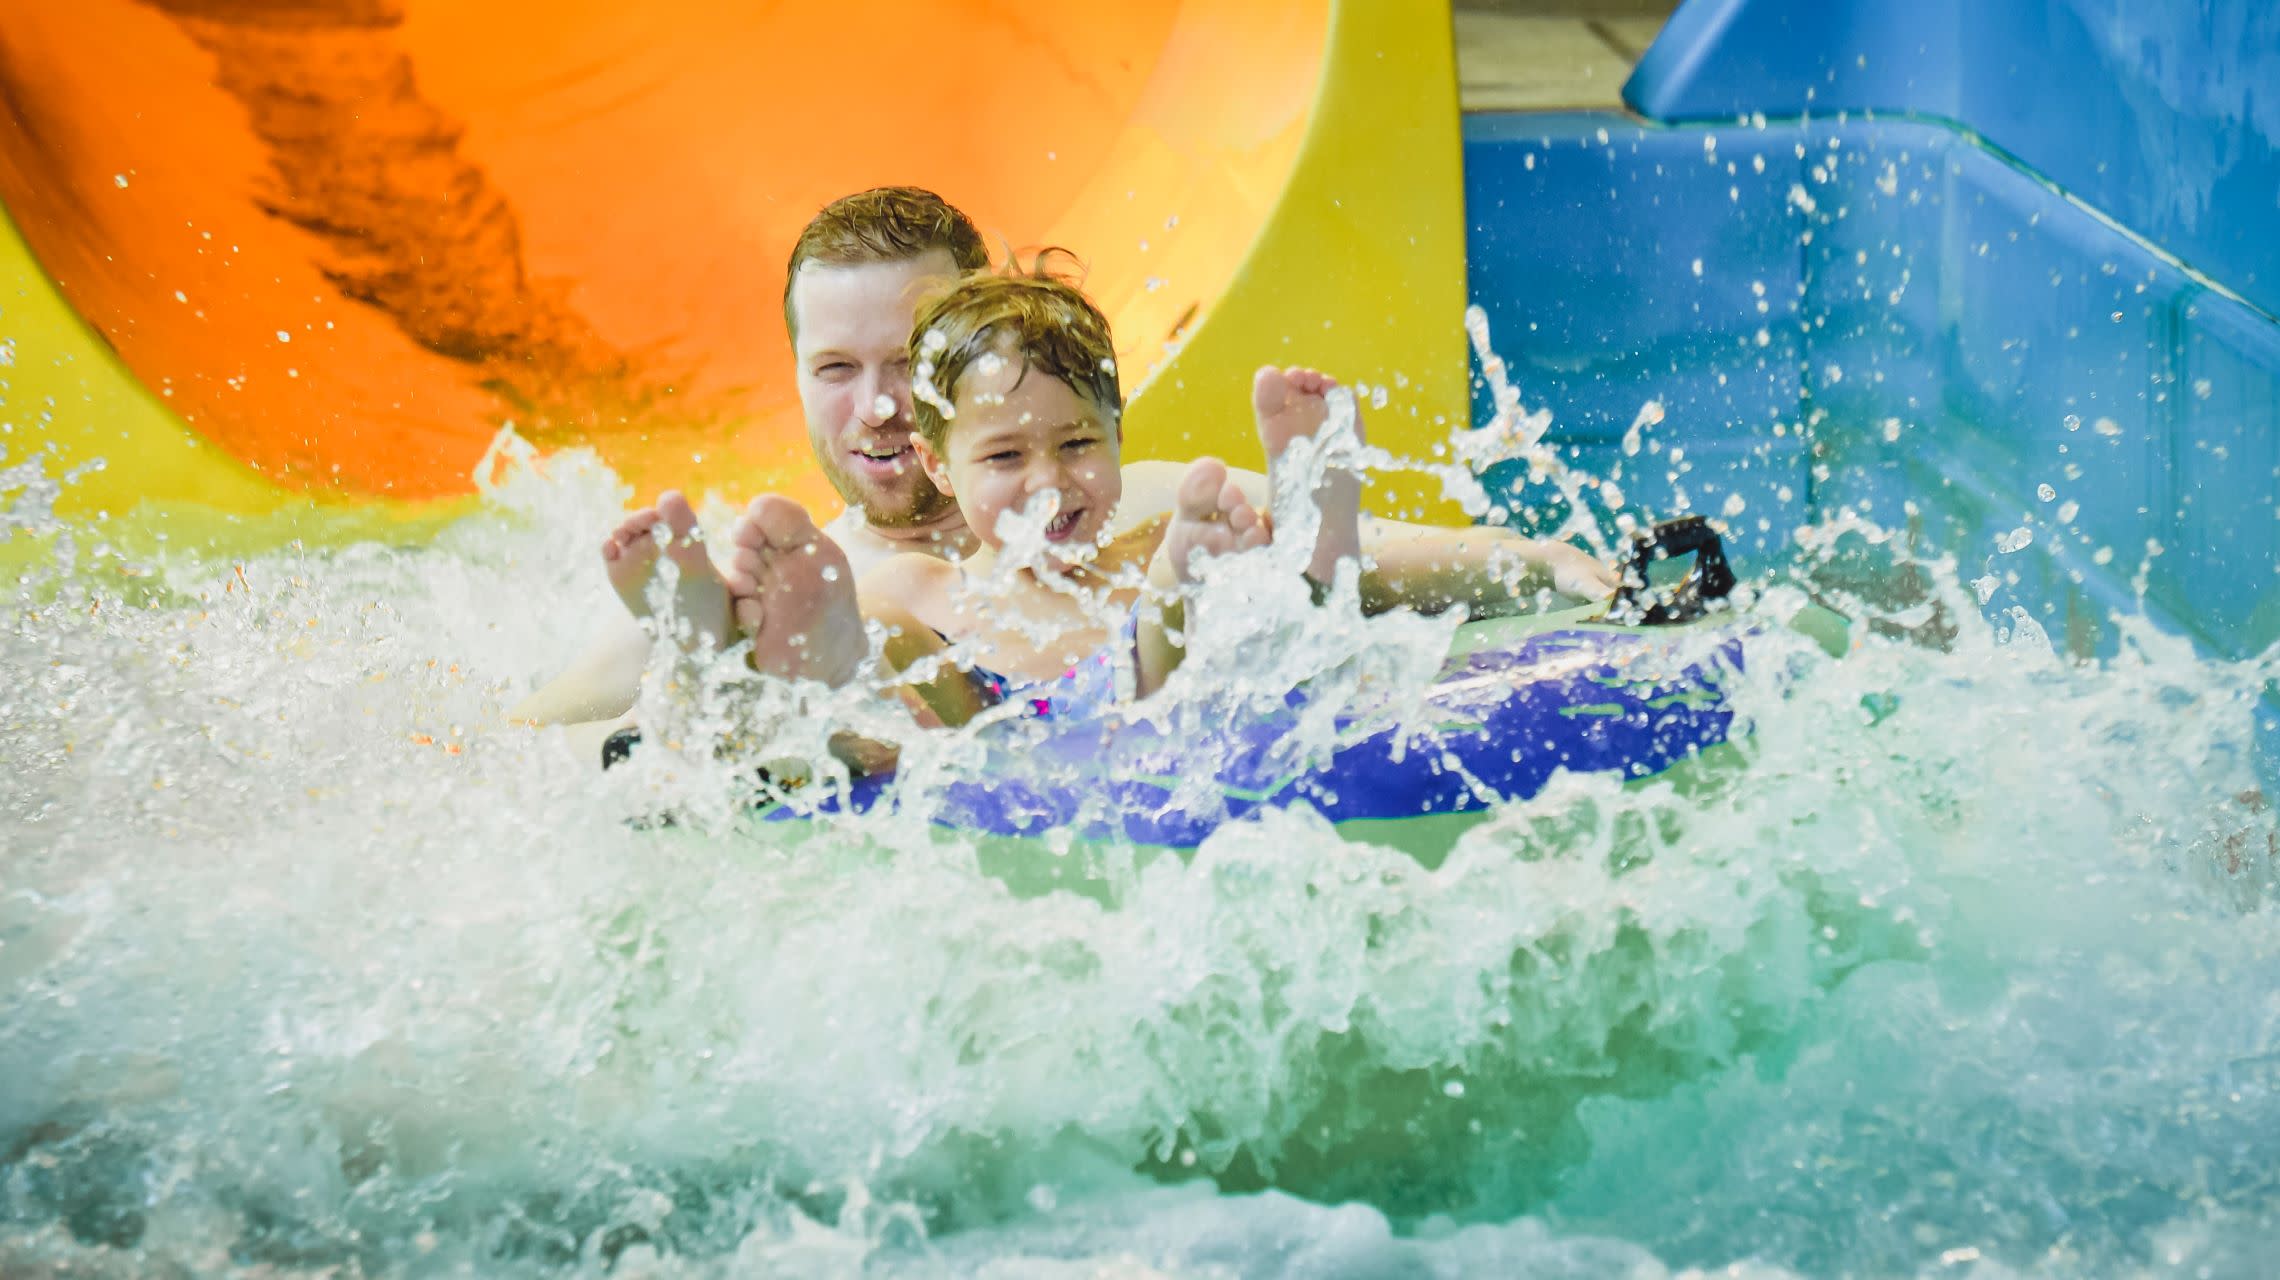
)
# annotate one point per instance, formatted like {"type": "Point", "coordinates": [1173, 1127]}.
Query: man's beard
{"type": "Point", "coordinates": [901, 508]}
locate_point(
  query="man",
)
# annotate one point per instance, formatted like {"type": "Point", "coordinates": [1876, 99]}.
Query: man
{"type": "Point", "coordinates": [851, 287]}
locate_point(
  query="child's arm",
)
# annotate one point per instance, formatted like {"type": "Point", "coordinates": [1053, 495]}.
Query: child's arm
{"type": "Point", "coordinates": [898, 595]}
{"type": "Point", "coordinates": [939, 696]}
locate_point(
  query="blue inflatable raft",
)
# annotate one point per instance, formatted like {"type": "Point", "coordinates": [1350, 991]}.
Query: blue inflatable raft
{"type": "Point", "coordinates": [1519, 700]}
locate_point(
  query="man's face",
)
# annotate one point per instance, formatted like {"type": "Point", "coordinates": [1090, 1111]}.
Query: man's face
{"type": "Point", "coordinates": [853, 352]}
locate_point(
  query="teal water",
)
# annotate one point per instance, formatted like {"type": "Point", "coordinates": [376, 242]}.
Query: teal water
{"type": "Point", "coordinates": [1964, 965]}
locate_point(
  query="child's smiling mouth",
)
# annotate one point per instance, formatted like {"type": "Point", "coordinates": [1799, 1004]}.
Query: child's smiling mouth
{"type": "Point", "coordinates": [1060, 527]}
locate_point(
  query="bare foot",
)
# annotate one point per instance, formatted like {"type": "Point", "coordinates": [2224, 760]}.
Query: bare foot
{"type": "Point", "coordinates": [630, 555]}
{"type": "Point", "coordinates": [1293, 403]}
{"type": "Point", "coordinates": [790, 589]}
{"type": "Point", "coordinates": [1210, 517]}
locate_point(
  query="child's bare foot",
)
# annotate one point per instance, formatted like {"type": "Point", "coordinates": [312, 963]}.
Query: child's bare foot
{"type": "Point", "coordinates": [792, 592]}
{"type": "Point", "coordinates": [630, 558]}
{"type": "Point", "coordinates": [1211, 517]}
{"type": "Point", "coordinates": [1293, 403]}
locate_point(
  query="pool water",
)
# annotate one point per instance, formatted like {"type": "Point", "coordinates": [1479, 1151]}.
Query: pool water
{"type": "Point", "coordinates": [310, 966]}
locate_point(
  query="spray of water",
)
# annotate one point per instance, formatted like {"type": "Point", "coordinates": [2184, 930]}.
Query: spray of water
{"type": "Point", "coordinates": [311, 964]}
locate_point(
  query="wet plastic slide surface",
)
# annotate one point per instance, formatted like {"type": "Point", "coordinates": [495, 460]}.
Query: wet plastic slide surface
{"type": "Point", "coordinates": [2122, 332]}
{"type": "Point", "coordinates": [1897, 322]}
{"type": "Point", "coordinates": [281, 251]}
{"type": "Point", "coordinates": [1893, 319]}
{"type": "Point", "coordinates": [2165, 116]}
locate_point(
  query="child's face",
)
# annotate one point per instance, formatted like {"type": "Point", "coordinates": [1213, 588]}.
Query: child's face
{"type": "Point", "coordinates": [1019, 432]}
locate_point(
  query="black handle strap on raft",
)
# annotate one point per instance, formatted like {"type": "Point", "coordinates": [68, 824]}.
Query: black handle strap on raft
{"type": "Point", "coordinates": [618, 747]}
{"type": "Point", "coordinates": [1711, 578]}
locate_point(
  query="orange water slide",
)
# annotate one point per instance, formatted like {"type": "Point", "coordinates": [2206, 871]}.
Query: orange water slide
{"type": "Point", "coordinates": [339, 243]}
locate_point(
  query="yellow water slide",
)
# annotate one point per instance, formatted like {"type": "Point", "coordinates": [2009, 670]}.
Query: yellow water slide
{"type": "Point", "coordinates": [291, 265]}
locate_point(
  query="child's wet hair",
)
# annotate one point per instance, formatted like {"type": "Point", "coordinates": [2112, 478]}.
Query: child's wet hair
{"type": "Point", "coordinates": [1033, 314]}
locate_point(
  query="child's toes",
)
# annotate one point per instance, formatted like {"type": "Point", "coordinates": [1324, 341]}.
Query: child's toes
{"type": "Point", "coordinates": [1231, 499]}
{"type": "Point", "coordinates": [631, 530]}
{"type": "Point", "coordinates": [1247, 528]}
{"type": "Point", "coordinates": [1202, 490]}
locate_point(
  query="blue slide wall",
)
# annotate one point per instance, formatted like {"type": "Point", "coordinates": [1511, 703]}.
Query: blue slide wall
{"type": "Point", "coordinates": [1967, 271]}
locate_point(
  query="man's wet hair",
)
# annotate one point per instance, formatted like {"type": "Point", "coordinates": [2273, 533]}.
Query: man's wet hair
{"type": "Point", "coordinates": [884, 224]}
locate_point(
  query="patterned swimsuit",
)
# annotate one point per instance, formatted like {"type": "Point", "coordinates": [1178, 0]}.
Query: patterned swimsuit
{"type": "Point", "coordinates": [1086, 689]}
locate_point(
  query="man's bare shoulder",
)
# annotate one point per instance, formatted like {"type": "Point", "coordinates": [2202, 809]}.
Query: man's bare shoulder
{"type": "Point", "coordinates": [906, 569]}
{"type": "Point", "coordinates": [1155, 473]}
{"type": "Point", "coordinates": [865, 550]}
{"type": "Point", "coordinates": [909, 583]}
{"type": "Point", "coordinates": [1151, 489]}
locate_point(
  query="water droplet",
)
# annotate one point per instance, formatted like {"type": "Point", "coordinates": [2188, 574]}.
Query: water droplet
{"type": "Point", "coordinates": [2073, 422]}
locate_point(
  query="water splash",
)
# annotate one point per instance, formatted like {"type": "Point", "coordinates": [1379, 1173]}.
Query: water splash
{"type": "Point", "coordinates": [308, 961]}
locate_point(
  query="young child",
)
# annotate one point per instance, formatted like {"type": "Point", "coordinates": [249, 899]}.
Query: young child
{"type": "Point", "coordinates": [1016, 399]}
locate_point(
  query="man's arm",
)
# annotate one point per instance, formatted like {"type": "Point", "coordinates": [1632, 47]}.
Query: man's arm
{"type": "Point", "coordinates": [1424, 567]}
{"type": "Point", "coordinates": [601, 684]}
{"type": "Point", "coordinates": [1481, 568]}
